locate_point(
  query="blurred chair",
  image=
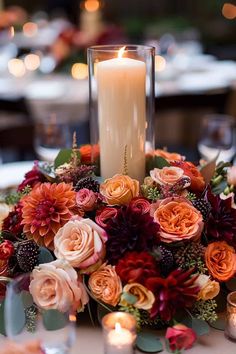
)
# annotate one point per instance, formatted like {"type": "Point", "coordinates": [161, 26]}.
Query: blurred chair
{"type": "Point", "coordinates": [16, 129]}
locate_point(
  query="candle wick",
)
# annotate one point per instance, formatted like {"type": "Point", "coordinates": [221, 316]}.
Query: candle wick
{"type": "Point", "coordinates": [125, 166]}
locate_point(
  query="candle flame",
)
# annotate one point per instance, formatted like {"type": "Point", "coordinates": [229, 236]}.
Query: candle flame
{"type": "Point", "coordinates": [121, 52]}
{"type": "Point", "coordinates": [117, 327]}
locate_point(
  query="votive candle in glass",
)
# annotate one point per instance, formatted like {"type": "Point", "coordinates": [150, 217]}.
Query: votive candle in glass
{"type": "Point", "coordinates": [119, 331]}
{"type": "Point", "coordinates": [230, 328]}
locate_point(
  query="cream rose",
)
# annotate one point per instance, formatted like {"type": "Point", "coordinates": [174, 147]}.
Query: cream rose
{"type": "Point", "coordinates": [208, 288]}
{"type": "Point", "coordinates": [105, 285]}
{"type": "Point", "coordinates": [145, 298]}
{"type": "Point", "coordinates": [81, 243]}
{"type": "Point", "coordinates": [56, 285]}
{"type": "Point", "coordinates": [119, 189]}
{"type": "Point", "coordinates": [167, 175]}
{"type": "Point", "coordinates": [231, 176]}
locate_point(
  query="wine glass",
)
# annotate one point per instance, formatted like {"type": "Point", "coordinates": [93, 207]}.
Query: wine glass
{"type": "Point", "coordinates": [217, 136]}
{"type": "Point", "coordinates": [52, 135]}
{"type": "Point", "coordinates": [26, 322]}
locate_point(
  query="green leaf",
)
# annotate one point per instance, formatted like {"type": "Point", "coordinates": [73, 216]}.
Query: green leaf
{"type": "Point", "coordinates": [2, 322]}
{"type": "Point", "coordinates": [208, 169]}
{"type": "Point", "coordinates": [220, 322]}
{"type": "Point", "coordinates": [64, 156]}
{"type": "Point", "coordinates": [200, 327]}
{"type": "Point", "coordinates": [148, 342]}
{"type": "Point", "coordinates": [129, 298]}
{"type": "Point", "coordinates": [160, 162]}
{"type": "Point", "coordinates": [45, 255]}
{"type": "Point", "coordinates": [220, 187]}
{"type": "Point", "coordinates": [231, 284]}
{"type": "Point", "coordinates": [15, 314]}
{"type": "Point", "coordinates": [27, 299]}
{"type": "Point", "coordinates": [54, 320]}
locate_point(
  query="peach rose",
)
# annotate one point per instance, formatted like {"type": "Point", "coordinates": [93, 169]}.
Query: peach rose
{"type": "Point", "coordinates": [167, 175]}
{"type": "Point", "coordinates": [145, 298]}
{"type": "Point", "coordinates": [105, 285]}
{"type": "Point", "coordinates": [81, 243]}
{"type": "Point", "coordinates": [169, 156]}
{"type": "Point", "coordinates": [208, 288]}
{"type": "Point", "coordinates": [178, 220]}
{"type": "Point", "coordinates": [32, 347]}
{"type": "Point", "coordinates": [86, 199]}
{"type": "Point", "coordinates": [56, 285]}
{"type": "Point", "coordinates": [220, 260]}
{"type": "Point", "coordinates": [231, 176]}
{"type": "Point", "coordinates": [119, 189]}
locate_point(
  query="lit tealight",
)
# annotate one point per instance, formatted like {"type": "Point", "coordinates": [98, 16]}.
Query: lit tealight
{"type": "Point", "coordinates": [160, 63]}
{"type": "Point", "coordinates": [91, 5]}
{"type": "Point", "coordinates": [79, 71]}
{"type": "Point", "coordinates": [16, 67]}
{"type": "Point", "coordinates": [32, 62]}
{"type": "Point", "coordinates": [30, 29]}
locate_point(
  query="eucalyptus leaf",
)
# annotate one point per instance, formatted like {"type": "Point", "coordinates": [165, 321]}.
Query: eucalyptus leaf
{"type": "Point", "coordinates": [64, 156]}
{"type": "Point", "coordinates": [231, 284]}
{"type": "Point", "coordinates": [15, 313]}
{"type": "Point", "coordinates": [129, 298]}
{"type": "Point", "coordinates": [45, 255]}
{"type": "Point", "coordinates": [220, 187]}
{"type": "Point", "coordinates": [148, 342]}
{"type": "Point", "coordinates": [54, 320]}
{"type": "Point", "coordinates": [27, 298]}
{"type": "Point", "coordinates": [200, 327]}
{"type": "Point", "coordinates": [2, 322]}
{"type": "Point", "coordinates": [220, 322]}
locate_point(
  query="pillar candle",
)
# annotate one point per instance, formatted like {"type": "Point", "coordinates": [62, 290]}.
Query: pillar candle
{"type": "Point", "coordinates": [122, 116]}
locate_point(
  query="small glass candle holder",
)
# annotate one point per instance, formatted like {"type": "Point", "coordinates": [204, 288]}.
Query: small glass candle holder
{"type": "Point", "coordinates": [230, 328]}
{"type": "Point", "coordinates": [119, 332]}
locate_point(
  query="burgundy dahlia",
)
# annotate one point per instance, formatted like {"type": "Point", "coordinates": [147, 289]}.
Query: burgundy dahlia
{"type": "Point", "coordinates": [12, 223]}
{"type": "Point", "coordinates": [176, 291]}
{"type": "Point", "coordinates": [221, 223]}
{"type": "Point", "coordinates": [32, 178]}
{"type": "Point", "coordinates": [136, 267]}
{"type": "Point", "coordinates": [129, 228]}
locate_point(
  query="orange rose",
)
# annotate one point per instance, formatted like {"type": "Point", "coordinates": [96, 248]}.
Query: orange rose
{"type": "Point", "coordinates": [89, 153]}
{"type": "Point", "coordinates": [190, 170]}
{"type": "Point", "coordinates": [169, 156]}
{"type": "Point", "coordinates": [105, 285]}
{"type": "Point", "coordinates": [178, 220]}
{"type": "Point", "coordinates": [119, 189]}
{"type": "Point", "coordinates": [220, 260]}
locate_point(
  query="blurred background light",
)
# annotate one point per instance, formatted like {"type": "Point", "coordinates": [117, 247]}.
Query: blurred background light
{"type": "Point", "coordinates": [16, 67]}
{"type": "Point", "coordinates": [79, 71]}
{"type": "Point", "coordinates": [32, 62]}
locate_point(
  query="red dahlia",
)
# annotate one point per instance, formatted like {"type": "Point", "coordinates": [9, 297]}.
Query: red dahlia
{"type": "Point", "coordinates": [32, 178]}
{"type": "Point", "coordinates": [12, 223]}
{"type": "Point", "coordinates": [136, 267]}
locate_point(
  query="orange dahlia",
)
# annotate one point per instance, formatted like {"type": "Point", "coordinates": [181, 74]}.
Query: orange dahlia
{"type": "Point", "coordinates": [45, 210]}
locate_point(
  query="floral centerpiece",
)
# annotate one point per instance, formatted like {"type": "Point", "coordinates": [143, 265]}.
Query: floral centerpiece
{"type": "Point", "coordinates": [163, 250]}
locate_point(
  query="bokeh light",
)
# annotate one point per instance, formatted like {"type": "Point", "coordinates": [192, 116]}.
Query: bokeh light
{"type": "Point", "coordinates": [16, 67]}
{"type": "Point", "coordinates": [32, 62]}
{"type": "Point", "coordinates": [91, 5]}
{"type": "Point", "coordinates": [229, 11]}
{"type": "Point", "coordinates": [79, 71]}
{"type": "Point", "coordinates": [30, 29]}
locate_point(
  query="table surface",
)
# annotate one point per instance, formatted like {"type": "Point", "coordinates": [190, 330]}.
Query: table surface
{"type": "Point", "coordinates": [89, 340]}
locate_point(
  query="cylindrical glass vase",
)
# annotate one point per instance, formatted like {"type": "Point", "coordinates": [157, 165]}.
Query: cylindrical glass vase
{"type": "Point", "coordinates": [121, 81]}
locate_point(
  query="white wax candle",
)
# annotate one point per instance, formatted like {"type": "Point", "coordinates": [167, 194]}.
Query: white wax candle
{"type": "Point", "coordinates": [119, 341]}
{"type": "Point", "coordinates": [122, 116]}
